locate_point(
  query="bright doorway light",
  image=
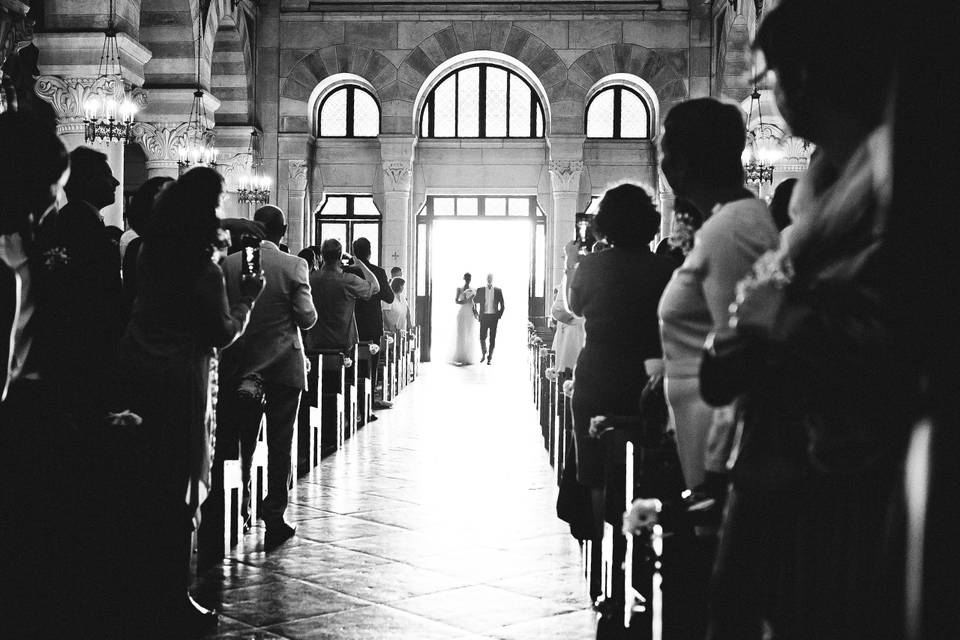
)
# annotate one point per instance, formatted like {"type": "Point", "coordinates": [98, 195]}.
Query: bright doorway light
{"type": "Point", "coordinates": [480, 246]}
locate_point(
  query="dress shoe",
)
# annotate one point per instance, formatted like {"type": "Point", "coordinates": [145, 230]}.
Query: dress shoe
{"type": "Point", "coordinates": [372, 418]}
{"type": "Point", "coordinates": [277, 534]}
{"type": "Point", "coordinates": [380, 404]}
{"type": "Point", "coordinates": [489, 359]}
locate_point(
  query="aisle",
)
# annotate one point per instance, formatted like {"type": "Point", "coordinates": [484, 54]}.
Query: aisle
{"type": "Point", "coordinates": [436, 522]}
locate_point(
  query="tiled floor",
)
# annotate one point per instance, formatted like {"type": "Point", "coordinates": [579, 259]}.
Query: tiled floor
{"type": "Point", "coordinates": [436, 522]}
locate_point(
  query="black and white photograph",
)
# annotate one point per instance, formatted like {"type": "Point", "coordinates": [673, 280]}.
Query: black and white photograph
{"type": "Point", "coordinates": [479, 320]}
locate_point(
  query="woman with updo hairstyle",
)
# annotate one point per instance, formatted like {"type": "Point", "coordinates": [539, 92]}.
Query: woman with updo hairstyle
{"type": "Point", "coordinates": [180, 317]}
{"type": "Point", "coordinates": [616, 292]}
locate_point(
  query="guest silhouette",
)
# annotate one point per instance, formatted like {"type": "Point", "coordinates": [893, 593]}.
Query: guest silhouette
{"type": "Point", "coordinates": [270, 354]}
{"type": "Point", "coordinates": [180, 316]}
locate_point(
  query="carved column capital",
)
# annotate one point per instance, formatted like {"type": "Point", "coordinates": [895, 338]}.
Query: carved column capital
{"type": "Point", "coordinates": [396, 175]}
{"type": "Point", "coordinates": [68, 95]}
{"type": "Point", "coordinates": [159, 139]}
{"type": "Point", "coordinates": [565, 175]}
{"type": "Point", "coordinates": [297, 175]}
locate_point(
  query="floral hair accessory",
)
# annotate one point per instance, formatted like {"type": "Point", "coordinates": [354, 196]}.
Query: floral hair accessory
{"type": "Point", "coordinates": [55, 258]}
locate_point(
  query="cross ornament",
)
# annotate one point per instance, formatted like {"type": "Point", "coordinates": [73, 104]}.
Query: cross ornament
{"type": "Point", "coordinates": [395, 256]}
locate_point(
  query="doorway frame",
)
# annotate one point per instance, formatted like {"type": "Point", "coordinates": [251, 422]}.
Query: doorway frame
{"type": "Point", "coordinates": [424, 222]}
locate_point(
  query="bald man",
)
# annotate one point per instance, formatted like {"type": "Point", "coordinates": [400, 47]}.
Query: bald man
{"type": "Point", "coordinates": [270, 353]}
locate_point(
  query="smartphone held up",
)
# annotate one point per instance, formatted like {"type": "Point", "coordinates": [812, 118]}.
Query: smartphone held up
{"type": "Point", "coordinates": [585, 237]}
{"type": "Point", "coordinates": [251, 255]}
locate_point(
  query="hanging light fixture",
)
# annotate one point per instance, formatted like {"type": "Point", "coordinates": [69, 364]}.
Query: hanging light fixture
{"type": "Point", "coordinates": [196, 146]}
{"type": "Point", "coordinates": [253, 187]}
{"type": "Point", "coordinates": [108, 112]}
{"type": "Point", "coordinates": [763, 146]}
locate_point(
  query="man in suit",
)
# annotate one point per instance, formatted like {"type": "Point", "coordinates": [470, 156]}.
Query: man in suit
{"type": "Point", "coordinates": [368, 314]}
{"type": "Point", "coordinates": [270, 357]}
{"type": "Point", "coordinates": [489, 301]}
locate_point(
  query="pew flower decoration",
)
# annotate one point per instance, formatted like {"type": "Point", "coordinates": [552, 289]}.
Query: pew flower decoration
{"type": "Point", "coordinates": [684, 232]}
{"type": "Point", "coordinates": [374, 349]}
{"type": "Point", "coordinates": [347, 363]}
{"type": "Point", "coordinates": [643, 514]}
{"type": "Point", "coordinates": [125, 418]}
{"type": "Point", "coordinates": [760, 294]}
{"type": "Point", "coordinates": [598, 426]}
{"type": "Point", "coordinates": [55, 257]}
{"type": "Point", "coordinates": [551, 374]}
{"type": "Point", "coordinates": [568, 388]}
{"type": "Point", "coordinates": [389, 339]}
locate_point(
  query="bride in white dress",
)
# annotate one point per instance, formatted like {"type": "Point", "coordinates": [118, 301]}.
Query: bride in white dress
{"type": "Point", "coordinates": [466, 349]}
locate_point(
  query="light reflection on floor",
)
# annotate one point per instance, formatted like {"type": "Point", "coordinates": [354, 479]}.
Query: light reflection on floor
{"type": "Point", "coordinates": [436, 522]}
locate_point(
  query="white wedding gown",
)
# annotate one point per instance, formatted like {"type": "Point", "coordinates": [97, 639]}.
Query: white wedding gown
{"type": "Point", "coordinates": [466, 348]}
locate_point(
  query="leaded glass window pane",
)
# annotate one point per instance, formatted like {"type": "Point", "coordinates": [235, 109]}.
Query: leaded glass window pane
{"type": "Point", "coordinates": [364, 206]}
{"type": "Point", "coordinates": [336, 231]}
{"type": "Point", "coordinates": [370, 231]}
{"type": "Point", "coordinates": [519, 206]}
{"type": "Point", "coordinates": [633, 115]}
{"type": "Point", "coordinates": [333, 114]}
{"type": "Point", "coordinates": [443, 206]}
{"type": "Point", "coordinates": [495, 207]}
{"type": "Point", "coordinates": [366, 114]}
{"type": "Point", "coordinates": [334, 206]}
{"type": "Point", "coordinates": [467, 207]}
{"type": "Point", "coordinates": [519, 108]}
{"type": "Point", "coordinates": [445, 108]}
{"type": "Point", "coordinates": [540, 253]}
{"type": "Point", "coordinates": [539, 121]}
{"type": "Point", "coordinates": [600, 115]}
{"type": "Point", "coordinates": [496, 103]}
{"type": "Point", "coordinates": [425, 123]}
{"type": "Point", "coordinates": [468, 103]}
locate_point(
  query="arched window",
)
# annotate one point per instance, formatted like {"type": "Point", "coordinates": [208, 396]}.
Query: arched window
{"type": "Point", "coordinates": [618, 112]}
{"type": "Point", "coordinates": [482, 101]}
{"type": "Point", "coordinates": [348, 112]}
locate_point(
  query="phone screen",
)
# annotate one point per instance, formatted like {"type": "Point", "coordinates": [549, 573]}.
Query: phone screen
{"type": "Point", "coordinates": [251, 261]}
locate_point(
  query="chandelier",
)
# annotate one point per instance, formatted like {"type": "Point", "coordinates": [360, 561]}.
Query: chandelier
{"type": "Point", "coordinates": [762, 150]}
{"type": "Point", "coordinates": [108, 112]}
{"type": "Point", "coordinates": [252, 186]}
{"type": "Point", "coordinates": [196, 146]}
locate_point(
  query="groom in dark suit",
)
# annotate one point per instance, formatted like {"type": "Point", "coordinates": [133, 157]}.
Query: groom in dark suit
{"type": "Point", "coordinates": [489, 301]}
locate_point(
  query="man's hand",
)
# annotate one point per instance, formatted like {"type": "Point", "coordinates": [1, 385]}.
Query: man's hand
{"type": "Point", "coordinates": [252, 285]}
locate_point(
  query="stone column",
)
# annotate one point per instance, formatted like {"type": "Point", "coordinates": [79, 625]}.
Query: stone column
{"type": "Point", "coordinates": [396, 238]}
{"type": "Point", "coordinates": [296, 199]}
{"type": "Point", "coordinates": [565, 181]}
{"type": "Point", "coordinates": [67, 96]}
{"type": "Point", "coordinates": [161, 127]}
{"type": "Point", "coordinates": [70, 64]}
{"type": "Point", "coordinates": [159, 141]}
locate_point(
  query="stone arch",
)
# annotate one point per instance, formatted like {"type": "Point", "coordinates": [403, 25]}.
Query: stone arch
{"type": "Point", "coordinates": [735, 60]}
{"type": "Point", "coordinates": [647, 64]}
{"type": "Point", "coordinates": [297, 88]}
{"type": "Point", "coordinates": [231, 77]}
{"type": "Point", "coordinates": [169, 31]}
{"type": "Point", "coordinates": [464, 37]}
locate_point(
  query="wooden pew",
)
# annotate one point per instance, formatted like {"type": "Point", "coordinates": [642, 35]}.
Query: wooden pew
{"type": "Point", "coordinates": [416, 351]}
{"type": "Point", "coordinates": [309, 420]}
{"type": "Point", "coordinates": [232, 505]}
{"type": "Point", "coordinates": [364, 383]}
{"type": "Point", "coordinates": [548, 359]}
{"type": "Point", "coordinates": [350, 394]}
{"type": "Point", "coordinates": [388, 363]}
{"type": "Point", "coordinates": [258, 472]}
{"type": "Point", "coordinates": [333, 393]}
{"type": "Point", "coordinates": [403, 366]}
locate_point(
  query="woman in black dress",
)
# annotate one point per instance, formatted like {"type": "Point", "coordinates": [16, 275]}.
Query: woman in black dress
{"type": "Point", "coordinates": [181, 315]}
{"type": "Point", "coordinates": [616, 292]}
